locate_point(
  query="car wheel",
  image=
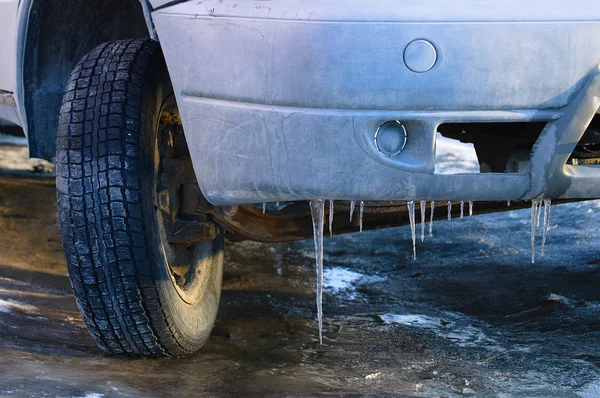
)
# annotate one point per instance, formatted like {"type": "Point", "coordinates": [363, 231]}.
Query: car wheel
{"type": "Point", "coordinates": [118, 174]}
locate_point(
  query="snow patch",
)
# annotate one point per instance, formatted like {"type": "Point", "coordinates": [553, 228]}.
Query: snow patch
{"type": "Point", "coordinates": [91, 395]}
{"type": "Point", "coordinates": [338, 280]}
{"type": "Point", "coordinates": [450, 328]}
{"type": "Point", "coordinates": [454, 157]}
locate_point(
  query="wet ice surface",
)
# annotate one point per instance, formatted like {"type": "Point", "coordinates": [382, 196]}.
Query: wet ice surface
{"type": "Point", "coordinates": [471, 316]}
{"type": "Point", "coordinates": [461, 330]}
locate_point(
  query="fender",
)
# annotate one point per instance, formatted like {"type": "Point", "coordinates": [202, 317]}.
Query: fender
{"type": "Point", "coordinates": [52, 35]}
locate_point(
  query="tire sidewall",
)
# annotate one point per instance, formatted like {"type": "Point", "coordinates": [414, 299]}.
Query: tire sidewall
{"type": "Point", "coordinates": [191, 324]}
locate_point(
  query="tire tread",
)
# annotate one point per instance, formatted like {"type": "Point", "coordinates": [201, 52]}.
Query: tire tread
{"type": "Point", "coordinates": [98, 166]}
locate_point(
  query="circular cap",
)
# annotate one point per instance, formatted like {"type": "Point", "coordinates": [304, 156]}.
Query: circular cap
{"type": "Point", "coordinates": [420, 56]}
{"type": "Point", "coordinates": [390, 138]}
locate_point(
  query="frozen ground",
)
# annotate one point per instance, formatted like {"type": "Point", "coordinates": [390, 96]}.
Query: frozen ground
{"type": "Point", "coordinates": [14, 159]}
{"type": "Point", "coordinates": [470, 317]}
{"type": "Point", "coordinates": [454, 157]}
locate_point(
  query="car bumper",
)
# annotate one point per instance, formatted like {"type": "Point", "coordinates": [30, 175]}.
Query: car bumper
{"type": "Point", "coordinates": [281, 100]}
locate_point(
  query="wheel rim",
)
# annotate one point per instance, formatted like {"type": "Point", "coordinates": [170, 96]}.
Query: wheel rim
{"type": "Point", "coordinates": [187, 265]}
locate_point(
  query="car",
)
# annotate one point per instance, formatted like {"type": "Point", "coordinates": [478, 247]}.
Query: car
{"type": "Point", "coordinates": [175, 124]}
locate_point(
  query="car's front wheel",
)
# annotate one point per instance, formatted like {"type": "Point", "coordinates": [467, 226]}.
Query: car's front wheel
{"type": "Point", "coordinates": [141, 289]}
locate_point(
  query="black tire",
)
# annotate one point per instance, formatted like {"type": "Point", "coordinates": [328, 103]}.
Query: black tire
{"type": "Point", "coordinates": [106, 189]}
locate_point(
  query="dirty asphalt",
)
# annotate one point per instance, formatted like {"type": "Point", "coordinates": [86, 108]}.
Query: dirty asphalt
{"type": "Point", "coordinates": [471, 317]}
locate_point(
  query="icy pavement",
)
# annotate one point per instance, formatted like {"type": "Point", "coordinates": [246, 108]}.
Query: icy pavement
{"type": "Point", "coordinates": [470, 317]}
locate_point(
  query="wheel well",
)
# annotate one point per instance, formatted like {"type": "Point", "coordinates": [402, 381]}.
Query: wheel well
{"type": "Point", "coordinates": [59, 33]}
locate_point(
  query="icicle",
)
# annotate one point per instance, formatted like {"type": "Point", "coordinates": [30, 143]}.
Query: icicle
{"type": "Point", "coordinates": [547, 204]}
{"type": "Point", "coordinates": [508, 203]}
{"type": "Point", "coordinates": [432, 206]}
{"type": "Point", "coordinates": [352, 206]}
{"type": "Point", "coordinates": [538, 212]}
{"type": "Point", "coordinates": [361, 210]}
{"type": "Point", "coordinates": [470, 208]}
{"type": "Point", "coordinates": [317, 210]}
{"type": "Point", "coordinates": [277, 204]}
{"type": "Point", "coordinates": [423, 210]}
{"type": "Point", "coordinates": [411, 215]}
{"type": "Point", "coordinates": [449, 210]}
{"type": "Point", "coordinates": [264, 207]}
{"type": "Point", "coordinates": [462, 208]}
{"type": "Point", "coordinates": [330, 217]}
{"type": "Point", "coordinates": [534, 209]}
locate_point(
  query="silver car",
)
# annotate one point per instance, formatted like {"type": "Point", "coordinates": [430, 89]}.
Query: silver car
{"type": "Point", "coordinates": [176, 123]}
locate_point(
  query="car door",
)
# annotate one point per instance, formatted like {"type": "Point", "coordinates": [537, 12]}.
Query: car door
{"type": "Point", "coordinates": [8, 34]}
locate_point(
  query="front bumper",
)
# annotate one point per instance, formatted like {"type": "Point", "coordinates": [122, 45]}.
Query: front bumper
{"type": "Point", "coordinates": [280, 100]}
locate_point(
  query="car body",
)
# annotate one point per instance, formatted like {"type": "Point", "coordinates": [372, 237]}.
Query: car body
{"type": "Point", "coordinates": [283, 102]}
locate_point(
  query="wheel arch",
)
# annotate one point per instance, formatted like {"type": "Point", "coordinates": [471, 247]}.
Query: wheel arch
{"type": "Point", "coordinates": [53, 35]}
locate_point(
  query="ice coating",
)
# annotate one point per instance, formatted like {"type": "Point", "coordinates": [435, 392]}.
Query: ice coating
{"type": "Point", "coordinates": [330, 217]}
{"type": "Point", "coordinates": [352, 206]}
{"type": "Point", "coordinates": [360, 215]}
{"type": "Point", "coordinates": [432, 206]}
{"type": "Point", "coordinates": [317, 211]}
{"type": "Point", "coordinates": [449, 204]}
{"type": "Point", "coordinates": [547, 204]}
{"type": "Point", "coordinates": [423, 211]}
{"type": "Point", "coordinates": [411, 215]}
{"type": "Point", "coordinates": [470, 208]}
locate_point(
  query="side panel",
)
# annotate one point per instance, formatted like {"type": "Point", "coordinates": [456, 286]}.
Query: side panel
{"type": "Point", "coordinates": [8, 33]}
{"type": "Point", "coordinates": [359, 64]}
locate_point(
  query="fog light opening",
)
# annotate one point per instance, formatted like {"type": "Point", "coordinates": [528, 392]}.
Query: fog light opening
{"type": "Point", "coordinates": [390, 138]}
